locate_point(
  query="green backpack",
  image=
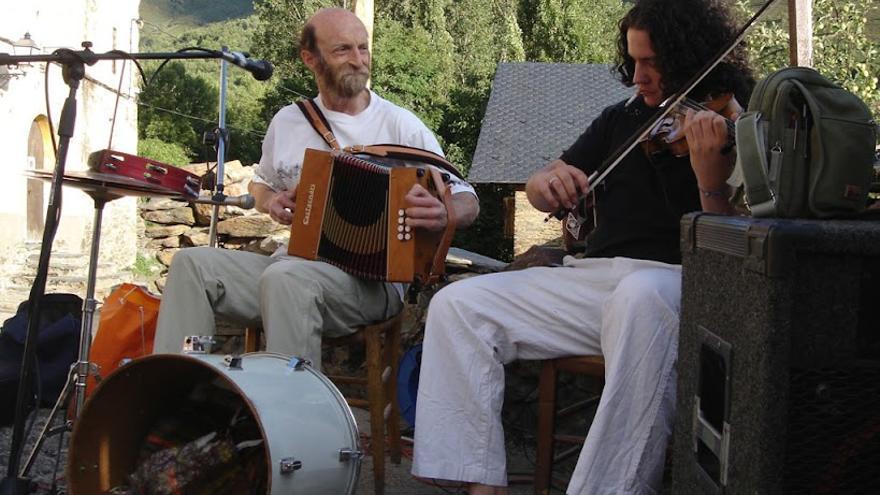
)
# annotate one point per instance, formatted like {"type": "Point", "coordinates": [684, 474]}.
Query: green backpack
{"type": "Point", "coordinates": [805, 147]}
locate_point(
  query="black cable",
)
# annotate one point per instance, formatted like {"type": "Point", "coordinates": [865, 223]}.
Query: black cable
{"type": "Point", "coordinates": [48, 103]}
{"type": "Point", "coordinates": [187, 49]}
{"type": "Point", "coordinates": [37, 397]}
{"type": "Point", "coordinates": [49, 109]}
{"type": "Point", "coordinates": [136, 63]}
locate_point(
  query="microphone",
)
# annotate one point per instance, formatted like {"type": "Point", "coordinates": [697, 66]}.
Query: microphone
{"type": "Point", "coordinates": [260, 69]}
{"type": "Point", "coordinates": [245, 201]}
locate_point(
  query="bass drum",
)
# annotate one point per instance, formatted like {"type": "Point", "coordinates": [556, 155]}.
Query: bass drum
{"type": "Point", "coordinates": [309, 435]}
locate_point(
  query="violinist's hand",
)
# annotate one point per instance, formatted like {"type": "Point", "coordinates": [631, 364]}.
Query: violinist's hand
{"type": "Point", "coordinates": [706, 134]}
{"type": "Point", "coordinates": [425, 210]}
{"type": "Point", "coordinates": [556, 185]}
{"type": "Point", "coordinates": [280, 206]}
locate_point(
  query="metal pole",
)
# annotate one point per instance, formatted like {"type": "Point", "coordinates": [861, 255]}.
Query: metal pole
{"type": "Point", "coordinates": [85, 339]}
{"type": "Point", "coordinates": [221, 152]}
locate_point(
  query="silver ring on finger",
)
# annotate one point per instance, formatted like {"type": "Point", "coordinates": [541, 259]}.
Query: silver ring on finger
{"type": "Point", "coordinates": [550, 182]}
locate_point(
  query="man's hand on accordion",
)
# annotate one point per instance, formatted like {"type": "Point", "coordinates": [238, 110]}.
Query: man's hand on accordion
{"type": "Point", "coordinates": [425, 210]}
{"type": "Point", "coordinates": [280, 206]}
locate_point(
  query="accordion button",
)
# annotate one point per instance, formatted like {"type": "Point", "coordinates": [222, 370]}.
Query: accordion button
{"type": "Point", "coordinates": [407, 228]}
{"type": "Point", "coordinates": [400, 220]}
{"type": "Point", "coordinates": [400, 228]}
{"type": "Point", "coordinates": [399, 237]}
{"type": "Point", "coordinates": [400, 212]}
{"type": "Point", "coordinates": [407, 236]}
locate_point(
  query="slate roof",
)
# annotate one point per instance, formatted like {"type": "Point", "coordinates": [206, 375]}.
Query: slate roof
{"type": "Point", "coordinates": [536, 111]}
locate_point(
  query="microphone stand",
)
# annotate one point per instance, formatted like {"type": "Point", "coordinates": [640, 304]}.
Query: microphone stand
{"type": "Point", "coordinates": [73, 70]}
{"type": "Point", "coordinates": [222, 140]}
{"type": "Point", "coordinates": [73, 64]}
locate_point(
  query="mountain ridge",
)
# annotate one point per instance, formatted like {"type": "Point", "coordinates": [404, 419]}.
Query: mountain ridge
{"type": "Point", "coordinates": [176, 16]}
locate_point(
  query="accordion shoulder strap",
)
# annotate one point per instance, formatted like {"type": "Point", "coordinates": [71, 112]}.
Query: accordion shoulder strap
{"type": "Point", "coordinates": [319, 123]}
{"type": "Point", "coordinates": [405, 152]}
{"type": "Point", "coordinates": [439, 265]}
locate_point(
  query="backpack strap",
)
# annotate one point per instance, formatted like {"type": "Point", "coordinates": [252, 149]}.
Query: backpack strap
{"type": "Point", "coordinates": [319, 123]}
{"type": "Point", "coordinates": [752, 162]}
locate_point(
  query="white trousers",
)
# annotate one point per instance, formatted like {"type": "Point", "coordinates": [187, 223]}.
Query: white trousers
{"type": "Point", "coordinates": [625, 309]}
{"type": "Point", "coordinates": [296, 300]}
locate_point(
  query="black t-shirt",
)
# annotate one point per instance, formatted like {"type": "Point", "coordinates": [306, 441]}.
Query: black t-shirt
{"type": "Point", "coordinates": [641, 201]}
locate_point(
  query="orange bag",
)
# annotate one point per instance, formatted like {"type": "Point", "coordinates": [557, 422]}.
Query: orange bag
{"type": "Point", "coordinates": [126, 329]}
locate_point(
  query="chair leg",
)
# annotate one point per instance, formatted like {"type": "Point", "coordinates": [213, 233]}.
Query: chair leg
{"type": "Point", "coordinates": [546, 420]}
{"type": "Point", "coordinates": [392, 358]}
{"type": "Point", "coordinates": [376, 399]}
{"type": "Point", "coordinates": [252, 339]}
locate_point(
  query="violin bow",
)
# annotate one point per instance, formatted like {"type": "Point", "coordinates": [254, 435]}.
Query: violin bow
{"type": "Point", "coordinates": [666, 107]}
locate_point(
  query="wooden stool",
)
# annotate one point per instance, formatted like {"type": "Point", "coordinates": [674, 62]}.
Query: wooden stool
{"type": "Point", "coordinates": [583, 365]}
{"type": "Point", "coordinates": [382, 344]}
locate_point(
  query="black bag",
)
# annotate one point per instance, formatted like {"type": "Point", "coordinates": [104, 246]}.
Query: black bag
{"type": "Point", "coordinates": [57, 348]}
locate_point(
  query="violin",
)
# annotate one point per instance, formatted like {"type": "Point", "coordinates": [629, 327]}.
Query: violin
{"type": "Point", "coordinates": [668, 132]}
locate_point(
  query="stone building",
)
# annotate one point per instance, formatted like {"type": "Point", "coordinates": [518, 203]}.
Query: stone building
{"type": "Point", "coordinates": [535, 111]}
{"type": "Point", "coordinates": [27, 119]}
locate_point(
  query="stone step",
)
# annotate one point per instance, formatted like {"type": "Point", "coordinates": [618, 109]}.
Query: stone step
{"type": "Point", "coordinates": [62, 266]}
{"type": "Point", "coordinates": [33, 254]}
{"type": "Point", "coordinates": [60, 258]}
{"type": "Point", "coordinates": [75, 284]}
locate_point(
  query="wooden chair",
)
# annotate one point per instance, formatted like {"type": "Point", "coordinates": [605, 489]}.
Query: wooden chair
{"type": "Point", "coordinates": [382, 348]}
{"type": "Point", "coordinates": [547, 437]}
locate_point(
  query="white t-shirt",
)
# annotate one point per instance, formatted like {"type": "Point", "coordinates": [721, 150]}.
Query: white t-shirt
{"type": "Point", "coordinates": [382, 122]}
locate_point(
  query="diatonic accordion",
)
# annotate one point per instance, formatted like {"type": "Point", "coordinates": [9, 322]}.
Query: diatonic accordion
{"type": "Point", "coordinates": [350, 212]}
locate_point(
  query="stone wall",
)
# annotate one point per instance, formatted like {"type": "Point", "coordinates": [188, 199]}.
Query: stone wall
{"type": "Point", "coordinates": [170, 226]}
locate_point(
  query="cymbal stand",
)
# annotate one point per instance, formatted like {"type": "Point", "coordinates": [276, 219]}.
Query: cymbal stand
{"type": "Point", "coordinates": [80, 370]}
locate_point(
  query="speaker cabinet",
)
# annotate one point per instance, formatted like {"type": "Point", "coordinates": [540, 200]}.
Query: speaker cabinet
{"type": "Point", "coordinates": [779, 357]}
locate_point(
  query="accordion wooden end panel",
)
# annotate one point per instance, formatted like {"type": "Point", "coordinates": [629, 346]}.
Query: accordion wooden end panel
{"type": "Point", "coordinates": [351, 213]}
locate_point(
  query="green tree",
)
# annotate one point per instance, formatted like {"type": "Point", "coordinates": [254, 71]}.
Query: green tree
{"type": "Point", "coordinates": [843, 48]}
{"type": "Point", "coordinates": [276, 39]}
{"type": "Point", "coordinates": [409, 70]}
{"type": "Point", "coordinates": [244, 120]}
{"type": "Point", "coordinates": [483, 33]}
{"type": "Point", "coordinates": [170, 153]}
{"type": "Point", "coordinates": [575, 31]}
{"type": "Point", "coordinates": [167, 101]}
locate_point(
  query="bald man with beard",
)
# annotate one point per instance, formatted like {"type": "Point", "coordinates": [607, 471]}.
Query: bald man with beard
{"type": "Point", "coordinates": [298, 301]}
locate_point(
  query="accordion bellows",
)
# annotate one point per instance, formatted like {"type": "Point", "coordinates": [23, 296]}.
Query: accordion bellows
{"type": "Point", "coordinates": [351, 213]}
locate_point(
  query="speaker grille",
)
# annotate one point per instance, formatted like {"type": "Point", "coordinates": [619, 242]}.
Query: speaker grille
{"type": "Point", "coordinates": [834, 431]}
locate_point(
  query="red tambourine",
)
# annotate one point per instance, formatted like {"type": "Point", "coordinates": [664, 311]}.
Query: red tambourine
{"type": "Point", "coordinates": [150, 172]}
